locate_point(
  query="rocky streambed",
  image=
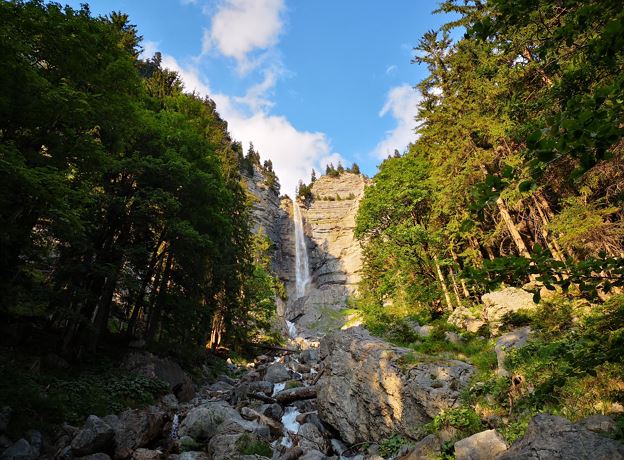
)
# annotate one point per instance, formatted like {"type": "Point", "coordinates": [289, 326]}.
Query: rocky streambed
{"type": "Point", "coordinates": [340, 400]}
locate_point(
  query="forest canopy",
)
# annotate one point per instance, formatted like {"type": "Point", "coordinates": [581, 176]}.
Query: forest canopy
{"type": "Point", "coordinates": [121, 199]}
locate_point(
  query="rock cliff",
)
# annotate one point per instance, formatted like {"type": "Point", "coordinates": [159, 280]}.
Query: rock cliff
{"type": "Point", "coordinates": [335, 256]}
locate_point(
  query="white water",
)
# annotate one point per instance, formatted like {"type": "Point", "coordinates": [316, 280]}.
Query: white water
{"type": "Point", "coordinates": [289, 420]}
{"type": "Point", "coordinates": [278, 387]}
{"type": "Point", "coordinates": [292, 329]}
{"type": "Point", "coordinates": [174, 427]}
{"type": "Point", "coordinates": [302, 270]}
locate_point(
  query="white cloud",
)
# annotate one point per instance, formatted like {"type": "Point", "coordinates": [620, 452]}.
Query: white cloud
{"type": "Point", "coordinates": [293, 152]}
{"type": "Point", "coordinates": [239, 27]}
{"type": "Point", "coordinates": [402, 104]}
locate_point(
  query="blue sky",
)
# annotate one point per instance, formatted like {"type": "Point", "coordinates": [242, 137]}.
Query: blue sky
{"type": "Point", "coordinates": [306, 81]}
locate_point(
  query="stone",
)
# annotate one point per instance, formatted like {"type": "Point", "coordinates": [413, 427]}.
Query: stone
{"type": "Point", "coordinates": [313, 455]}
{"type": "Point", "coordinates": [311, 438]}
{"type": "Point", "coordinates": [95, 436]}
{"type": "Point", "coordinates": [137, 428]}
{"type": "Point", "coordinates": [497, 304]}
{"type": "Point", "coordinates": [35, 438]}
{"type": "Point", "coordinates": [229, 446]}
{"type": "Point", "coordinates": [367, 393]}
{"type": "Point", "coordinates": [220, 386]}
{"type": "Point", "coordinates": [309, 356]}
{"type": "Point", "coordinates": [427, 448]}
{"type": "Point", "coordinates": [463, 318]}
{"type": "Point", "coordinates": [150, 365]}
{"type": "Point", "coordinates": [5, 418]}
{"type": "Point", "coordinates": [97, 456]}
{"type": "Point", "coordinates": [21, 450]}
{"type": "Point", "coordinates": [599, 424]}
{"type": "Point", "coordinates": [203, 422]}
{"type": "Point", "coordinates": [486, 445]}
{"type": "Point", "coordinates": [551, 437]}
{"type": "Point", "coordinates": [273, 411]}
{"type": "Point", "coordinates": [193, 455]}
{"type": "Point", "coordinates": [514, 339]}
{"type": "Point", "coordinates": [146, 454]}
{"type": "Point", "coordinates": [277, 373]}
{"type": "Point", "coordinates": [452, 337]}
{"type": "Point", "coordinates": [338, 446]}
{"type": "Point", "coordinates": [169, 402]}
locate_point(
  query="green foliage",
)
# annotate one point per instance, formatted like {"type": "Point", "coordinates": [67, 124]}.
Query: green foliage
{"type": "Point", "coordinates": [121, 195]}
{"type": "Point", "coordinates": [463, 419]}
{"type": "Point", "coordinates": [389, 447]}
{"type": "Point", "coordinates": [45, 399]}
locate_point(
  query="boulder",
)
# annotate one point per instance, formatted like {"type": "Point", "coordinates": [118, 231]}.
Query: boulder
{"type": "Point", "coordinates": [551, 437]}
{"type": "Point", "coordinates": [514, 339]}
{"type": "Point", "coordinates": [277, 373]}
{"type": "Point", "coordinates": [193, 455]}
{"type": "Point", "coordinates": [497, 304]}
{"type": "Point", "coordinates": [313, 455]}
{"type": "Point", "coordinates": [231, 446]}
{"type": "Point", "coordinates": [149, 365]}
{"type": "Point", "coordinates": [427, 448]}
{"type": "Point", "coordinates": [169, 402]}
{"type": "Point", "coordinates": [311, 438]}
{"type": "Point", "coordinates": [21, 450]}
{"type": "Point", "coordinates": [146, 454]}
{"type": "Point", "coordinates": [137, 428]}
{"type": "Point", "coordinates": [203, 422]}
{"type": "Point", "coordinates": [309, 356]}
{"type": "Point", "coordinates": [95, 436]}
{"type": "Point", "coordinates": [273, 411]}
{"type": "Point", "coordinates": [98, 456]}
{"type": "Point", "coordinates": [465, 319]}
{"type": "Point", "coordinates": [486, 445]}
{"type": "Point", "coordinates": [453, 337]}
{"type": "Point", "coordinates": [367, 393]}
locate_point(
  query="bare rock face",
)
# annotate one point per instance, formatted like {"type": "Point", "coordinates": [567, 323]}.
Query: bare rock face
{"type": "Point", "coordinates": [335, 256]}
{"type": "Point", "coordinates": [506, 342]}
{"type": "Point", "coordinates": [265, 202]}
{"type": "Point", "coordinates": [367, 393]}
{"type": "Point", "coordinates": [549, 437]}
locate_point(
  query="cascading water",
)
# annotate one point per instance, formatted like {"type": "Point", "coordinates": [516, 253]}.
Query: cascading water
{"type": "Point", "coordinates": [302, 270]}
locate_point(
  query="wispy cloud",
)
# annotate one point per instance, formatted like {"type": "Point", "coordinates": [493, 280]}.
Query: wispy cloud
{"type": "Point", "coordinates": [391, 69]}
{"type": "Point", "coordinates": [402, 104]}
{"type": "Point", "coordinates": [240, 27]}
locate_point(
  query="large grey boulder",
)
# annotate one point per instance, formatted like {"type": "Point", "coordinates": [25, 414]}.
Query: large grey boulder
{"type": "Point", "coordinates": [150, 365]}
{"type": "Point", "coordinates": [497, 304]}
{"type": "Point", "coordinates": [368, 391]}
{"type": "Point", "coordinates": [486, 445]}
{"type": "Point", "coordinates": [311, 438]}
{"type": "Point", "coordinates": [549, 437]}
{"type": "Point", "coordinates": [463, 318]}
{"type": "Point", "coordinates": [95, 436]}
{"type": "Point", "coordinates": [277, 373]}
{"type": "Point", "coordinates": [21, 450]}
{"type": "Point", "coordinates": [506, 342]}
{"type": "Point", "coordinates": [203, 422]}
{"type": "Point", "coordinates": [137, 428]}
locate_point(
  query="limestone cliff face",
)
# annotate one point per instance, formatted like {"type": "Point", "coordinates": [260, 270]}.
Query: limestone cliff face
{"type": "Point", "coordinates": [335, 256]}
{"type": "Point", "coordinates": [265, 202]}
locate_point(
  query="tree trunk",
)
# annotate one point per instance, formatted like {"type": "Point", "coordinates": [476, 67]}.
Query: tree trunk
{"type": "Point", "coordinates": [156, 310]}
{"type": "Point", "coordinates": [461, 280]}
{"type": "Point", "coordinates": [511, 227]}
{"type": "Point", "coordinates": [447, 296]}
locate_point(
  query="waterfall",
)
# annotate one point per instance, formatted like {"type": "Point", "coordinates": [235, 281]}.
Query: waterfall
{"type": "Point", "coordinates": [302, 270]}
